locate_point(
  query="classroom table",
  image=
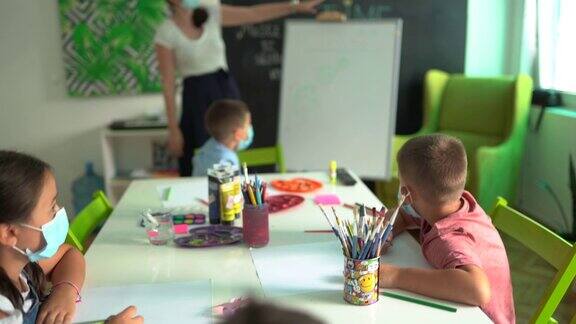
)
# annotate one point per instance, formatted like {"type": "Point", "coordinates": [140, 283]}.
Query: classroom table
{"type": "Point", "coordinates": [121, 255]}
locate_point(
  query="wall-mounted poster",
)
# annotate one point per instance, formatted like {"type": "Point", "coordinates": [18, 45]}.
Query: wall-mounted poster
{"type": "Point", "coordinates": [108, 46]}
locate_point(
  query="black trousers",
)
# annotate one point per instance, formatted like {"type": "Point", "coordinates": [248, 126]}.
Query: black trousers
{"type": "Point", "coordinates": [198, 94]}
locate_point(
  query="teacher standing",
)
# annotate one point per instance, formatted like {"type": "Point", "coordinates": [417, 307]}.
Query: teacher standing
{"type": "Point", "coordinates": [189, 45]}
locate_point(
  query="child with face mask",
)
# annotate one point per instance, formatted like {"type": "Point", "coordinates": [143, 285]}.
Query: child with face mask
{"type": "Point", "coordinates": [33, 229]}
{"type": "Point", "coordinates": [229, 124]}
{"type": "Point", "coordinates": [456, 236]}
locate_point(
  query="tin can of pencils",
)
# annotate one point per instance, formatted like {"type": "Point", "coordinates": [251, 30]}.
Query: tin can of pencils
{"type": "Point", "coordinates": [361, 281]}
{"type": "Point", "coordinates": [255, 225]}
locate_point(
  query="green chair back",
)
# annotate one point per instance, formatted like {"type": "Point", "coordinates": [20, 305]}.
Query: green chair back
{"type": "Point", "coordinates": [263, 156]}
{"type": "Point", "coordinates": [89, 218]}
{"type": "Point", "coordinates": [555, 250]}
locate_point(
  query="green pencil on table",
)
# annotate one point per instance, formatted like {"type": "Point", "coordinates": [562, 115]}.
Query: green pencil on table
{"type": "Point", "coordinates": [419, 301]}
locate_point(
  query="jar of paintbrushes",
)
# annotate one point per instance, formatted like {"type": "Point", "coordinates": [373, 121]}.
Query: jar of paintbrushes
{"type": "Point", "coordinates": [363, 238]}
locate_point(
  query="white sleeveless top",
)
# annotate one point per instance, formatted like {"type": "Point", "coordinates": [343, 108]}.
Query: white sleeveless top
{"type": "Point", "coordinates": [195, 56]}
{"type": "Point", "coordinates": [15, 315]}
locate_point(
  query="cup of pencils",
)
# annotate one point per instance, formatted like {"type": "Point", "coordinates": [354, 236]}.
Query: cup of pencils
{"type": "Point", "coordinates": [255, 213]}
{"type": "Point", "coordinates": [363, 238]}
{"type": "Point", "coordinates": [361, 281]}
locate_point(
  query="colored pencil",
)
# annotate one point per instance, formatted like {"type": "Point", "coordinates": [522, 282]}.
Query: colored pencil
{"type": "Point", "coordinates": [319, 231]}
{"type": "Point", "coordinates": [420, 301]}
{"type": "Point", "coordinates": [371, 212]}
{"type": "Point", "coordinates": [254, 192]}
{"type": "Point", "coordinates": [251, 195]}
{"type": "Point", "coordinates": [264, 192]}
{"type": "Point", "coordinates": [204, 202]}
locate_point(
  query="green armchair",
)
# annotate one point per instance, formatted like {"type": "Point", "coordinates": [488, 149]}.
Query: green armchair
{"type": "Point", "coordinates": [489, 115]}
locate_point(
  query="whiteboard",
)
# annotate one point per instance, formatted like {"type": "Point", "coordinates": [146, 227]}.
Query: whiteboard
{"type": "Point", "coordinates": [338, 95]}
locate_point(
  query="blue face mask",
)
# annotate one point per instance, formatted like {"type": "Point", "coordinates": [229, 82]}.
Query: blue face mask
{"type": "Point", "coordinates": [245, 143]}
{"type": "Point", "coordinates": [54, 233]}
{"type": "Point", "coordinates": [191, 4]}
{"type": "Point", "coordinates": [407, 207]}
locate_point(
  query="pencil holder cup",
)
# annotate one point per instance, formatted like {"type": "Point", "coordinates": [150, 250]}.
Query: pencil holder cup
{"type": "Point", "coordinates": [255, 225]}
{"type": "Point", "coordinates": [361, 281]}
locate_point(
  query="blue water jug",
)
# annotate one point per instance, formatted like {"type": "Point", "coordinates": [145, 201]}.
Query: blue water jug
{"type": "Point", "coordinates": [84, 187]}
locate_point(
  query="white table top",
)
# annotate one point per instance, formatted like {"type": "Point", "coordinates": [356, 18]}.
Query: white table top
{"type": "Point", "coordinates": [121, 255]}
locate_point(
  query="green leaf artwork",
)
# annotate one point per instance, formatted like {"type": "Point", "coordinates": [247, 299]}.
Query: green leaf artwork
{"type": "Point", "coordinates": [108, 46]}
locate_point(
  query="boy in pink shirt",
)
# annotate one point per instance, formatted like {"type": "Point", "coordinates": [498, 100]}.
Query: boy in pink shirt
{"type": "Point", "coordinates": [457, 237]}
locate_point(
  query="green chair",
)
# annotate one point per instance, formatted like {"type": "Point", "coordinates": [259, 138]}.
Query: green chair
{"type": "Point", "coordinates": [89, 218]}
{"type": "Point", "coordinates": [263, 156]}
{"type": "Point", "coordinates": [489, 115]}
{"type": "Point", "coordinates": [555, 250]}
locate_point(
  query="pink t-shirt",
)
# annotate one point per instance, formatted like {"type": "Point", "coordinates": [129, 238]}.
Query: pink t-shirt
{"type": "Point", "coordinates": [467, 237]}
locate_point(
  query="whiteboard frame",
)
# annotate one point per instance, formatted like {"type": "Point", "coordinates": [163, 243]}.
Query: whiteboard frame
{"type": "Point", "coordinates": [394, 91]}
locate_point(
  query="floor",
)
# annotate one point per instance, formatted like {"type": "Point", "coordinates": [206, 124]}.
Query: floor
{"type": "Point", "coordinates": [531, 275]}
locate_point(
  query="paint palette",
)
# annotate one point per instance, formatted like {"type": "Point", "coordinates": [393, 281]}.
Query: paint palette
{"type": "Point", "coordinates": [300, 185]}
{"type": "Point", "coordinates": [189, 219]}
{"type": "Point", "coordinates": [279, 203]}
{"type": "Point", "coordinates": [209, 236]}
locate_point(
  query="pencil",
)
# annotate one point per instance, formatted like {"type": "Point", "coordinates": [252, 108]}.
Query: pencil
{"type": "Point", "coordinates": [371, 212]}
{"type": "Point", "coordinates": [420, 301]}
{"type": "Point", "coordinates": [204, 202]}
{"type": "Point", "coordinates": [258, 194]}
{"type": "Point", "coordinates": [245, 169]}
{"type": "Point", "coordinates": [251, 195]}
{"type": "Point", "coordinates": [319, 231]}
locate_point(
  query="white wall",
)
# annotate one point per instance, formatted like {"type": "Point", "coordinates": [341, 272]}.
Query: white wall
{"type": "Point", "coordinates": [493, 47]}
{"type": "Point", "coordinates": [493, 37]}
{"type": "Point", "coordinates": [485, 39]}
{"type": "Point", "coordinates": [546, 159]}
{"type": "Point", "coordinates": [36, 116]}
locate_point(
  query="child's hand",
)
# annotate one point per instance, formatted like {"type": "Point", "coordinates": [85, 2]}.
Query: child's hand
{"type": "Point", "coordinates": [60, 306]}
{"type": "Point", "coordinates": [127, 316]}
{"type": "Point", "coordinates": [387, 275]}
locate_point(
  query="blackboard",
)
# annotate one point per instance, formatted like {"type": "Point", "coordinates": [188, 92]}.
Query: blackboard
{"type": "Point", "coordinates": [434, 36]}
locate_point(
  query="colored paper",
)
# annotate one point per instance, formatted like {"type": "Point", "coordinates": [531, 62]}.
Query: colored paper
{"type": "Point", "coordinates": [301, 185]}
{"type": "Point", "coordinates": [329, 199]}
{"type": "Point", "coordinates": [181, 229]}
{"type": "Point", "coordinates": [157, 303]}
{"type": "Point", "coordinates": [277, 203]}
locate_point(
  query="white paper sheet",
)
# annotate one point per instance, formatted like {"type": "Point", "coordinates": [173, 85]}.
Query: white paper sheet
{"type": "Point", "coordinates": [298, 269]}
{"type": "Point", "coordinates": [188, 302]}
{"type": "Point", "coordinates": [318, 267]}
